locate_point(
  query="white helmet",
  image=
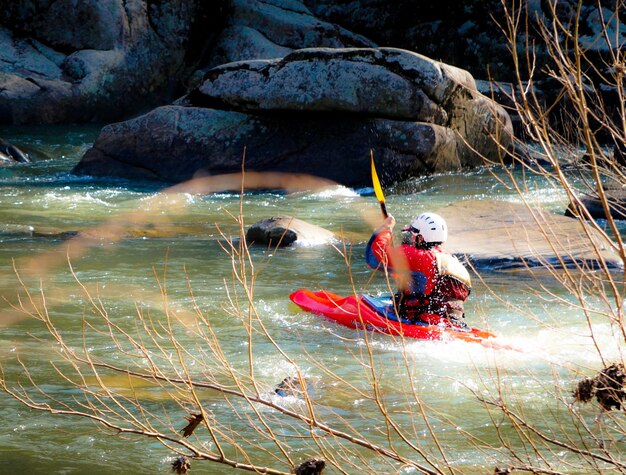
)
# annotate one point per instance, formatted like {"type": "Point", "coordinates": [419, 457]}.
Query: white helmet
{"type": "Point", "coordinates": [431, 226]}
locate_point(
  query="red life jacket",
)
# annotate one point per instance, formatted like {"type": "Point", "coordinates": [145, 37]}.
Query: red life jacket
{"type": "Point", "coordinates": [434, 272]}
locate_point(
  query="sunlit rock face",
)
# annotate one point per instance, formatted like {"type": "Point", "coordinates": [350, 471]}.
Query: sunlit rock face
{"type": "Point", "coordinates": [510, 236]}
{"type": "Point", "coordinates": [303, 95]}
{"type": "Point", "coordinates": [317, 111]}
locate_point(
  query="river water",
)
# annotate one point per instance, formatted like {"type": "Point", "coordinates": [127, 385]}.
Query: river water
{"type": "Point", "coordinates": [42, 206]}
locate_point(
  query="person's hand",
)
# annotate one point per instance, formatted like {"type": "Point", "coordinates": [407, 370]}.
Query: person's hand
{"type": "Point", "coordinates": [389, 222]}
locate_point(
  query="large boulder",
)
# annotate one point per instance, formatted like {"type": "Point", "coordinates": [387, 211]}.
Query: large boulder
{"type": "Point", "coordinates": [381, 82]}
{"type": "Point", "coordinates": [97, 60]}
{"type": "Point", "coordinates": [175, 143]}
{"type": "Point", "coordinates": [316, 111]}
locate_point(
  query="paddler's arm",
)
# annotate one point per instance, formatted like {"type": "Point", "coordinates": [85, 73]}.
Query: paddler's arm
{"type": "Point", "coordinates": [376, 249]}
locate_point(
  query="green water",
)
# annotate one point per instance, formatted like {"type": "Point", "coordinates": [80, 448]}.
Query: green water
{"type": "Point", "coordinates": [41, 205]}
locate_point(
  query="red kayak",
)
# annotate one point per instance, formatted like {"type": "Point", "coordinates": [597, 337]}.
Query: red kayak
{"type": "Point", "coordinates": [376, 314]}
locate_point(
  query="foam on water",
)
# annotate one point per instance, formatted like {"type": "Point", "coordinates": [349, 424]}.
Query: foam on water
{"type": "Point", "coordinates": [73, 200]}
{"type": "Point", "coordinates": [312, 242]}
{"type": "Point", "coordinates": [567, 346]}
{"type": "Point", "coordinates": [330, 192]}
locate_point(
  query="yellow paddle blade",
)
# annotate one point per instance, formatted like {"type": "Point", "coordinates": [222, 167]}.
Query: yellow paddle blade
{"type": "Point", "coordinates": [378, 191]}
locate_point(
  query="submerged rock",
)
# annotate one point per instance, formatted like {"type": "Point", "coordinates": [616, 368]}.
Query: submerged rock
{"type": "Point", "coordinates": [494, 235]}
{"type": "Point", "coordinates": [291, 386]}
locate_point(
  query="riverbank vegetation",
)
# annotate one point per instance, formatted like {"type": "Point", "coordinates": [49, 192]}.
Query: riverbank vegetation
{"type": "Point", "coordinates": [166, 374]}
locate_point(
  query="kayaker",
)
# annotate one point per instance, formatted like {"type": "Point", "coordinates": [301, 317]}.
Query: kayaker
{"type": "Point", "coordinates": [438, 283]}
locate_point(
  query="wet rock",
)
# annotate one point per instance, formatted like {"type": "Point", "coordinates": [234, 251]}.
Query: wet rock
{"type": "Point", "coordinates": [285, 231]}
{"type": "Point", "coordinates": [290, 386]}
{"type": "Point", "coordinates": [504, 236]}
{"type": "Point", "coordinates": [615, 193]}
{"type": "Point", "coordinates": [63, 235]}
{"type": "Point", "coordinates": [9, 153]}
{"type": "Point", "coordinates": [181, 465]}
{"type": "Point", "coordinates": [310, 467]}
{"type": "Point", "coordinates": [608, 387]}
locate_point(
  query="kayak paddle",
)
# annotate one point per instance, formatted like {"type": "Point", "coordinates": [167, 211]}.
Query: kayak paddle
{"type": "Point", "coordinates": [378, 191]}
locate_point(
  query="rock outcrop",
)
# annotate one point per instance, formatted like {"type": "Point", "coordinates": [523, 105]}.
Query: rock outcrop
{"type": "Point", "coordinates": [467, 34]}
{"type": "Point", "coordinates": [315, 111]}
{"type": "Point", "coordinates": [104, 60]}
{"type": "Point", "coordinates": [460, 33]}
{"type": "Point", "coordinates": [97, 60]}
